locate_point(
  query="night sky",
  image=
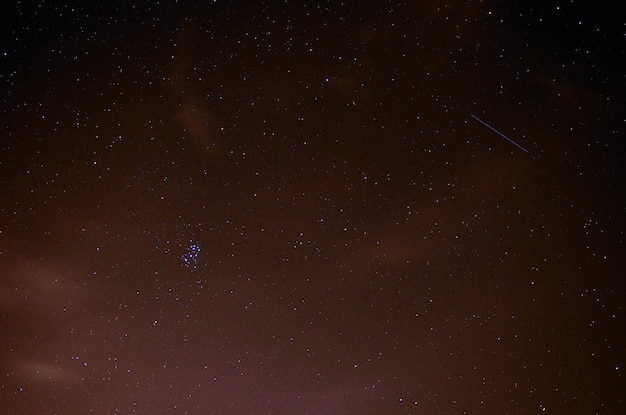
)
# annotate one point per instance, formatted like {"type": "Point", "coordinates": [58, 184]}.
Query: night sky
{"type": "Point", "coordinates": [312, 207]}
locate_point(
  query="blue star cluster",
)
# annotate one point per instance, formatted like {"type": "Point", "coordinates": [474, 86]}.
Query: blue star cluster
{"type": "Point", "coordinates": [190, 257]}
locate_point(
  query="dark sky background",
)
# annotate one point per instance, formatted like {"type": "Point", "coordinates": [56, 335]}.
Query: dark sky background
{"type": "Point", "coordinates": [255, 207]}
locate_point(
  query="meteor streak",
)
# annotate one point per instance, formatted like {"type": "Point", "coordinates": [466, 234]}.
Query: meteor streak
{"type": "Point", "coordinates": [496, 131]}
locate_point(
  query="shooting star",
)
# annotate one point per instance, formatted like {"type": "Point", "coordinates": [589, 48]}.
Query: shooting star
{"type": "Point", "coordinates": [496, 131]}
